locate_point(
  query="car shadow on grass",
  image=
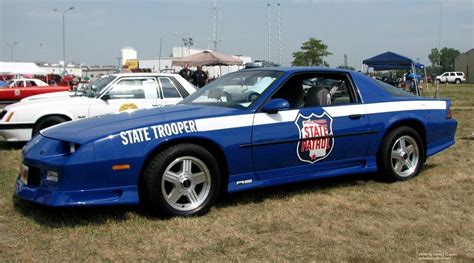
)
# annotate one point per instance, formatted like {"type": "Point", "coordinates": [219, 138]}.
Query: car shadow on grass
{"type": "Point", "coordinates": [57, 217]}
{"type": "Point", "coordinates": [288, 190]}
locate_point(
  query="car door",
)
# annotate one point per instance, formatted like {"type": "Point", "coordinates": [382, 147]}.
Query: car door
{"type": "Point", "coordinates": [169, 93]}
{"type": "Point", "coordinates": [18, 88]}
{"type": "Point", "coordinates": [128, 93]}
{"type": "Point", "coordinates": [444, 77]}
{"type": "Point", "coordinates": [452, 77]}
{"type": "Point", "coordinates": [325, 129]}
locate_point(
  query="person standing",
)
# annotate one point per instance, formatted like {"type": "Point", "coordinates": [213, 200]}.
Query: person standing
{"type": "Point", "coordinates": [185, 72]}
{"type": "Point", "coordinates": [199, 77]}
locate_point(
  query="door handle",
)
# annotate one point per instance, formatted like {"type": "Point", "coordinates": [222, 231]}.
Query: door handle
{"type": "Point", "coordinates": [355, 116]}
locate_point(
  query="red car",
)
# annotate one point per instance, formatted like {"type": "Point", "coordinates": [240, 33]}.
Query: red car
{"type": "Point", "coordinates": [17, 89]}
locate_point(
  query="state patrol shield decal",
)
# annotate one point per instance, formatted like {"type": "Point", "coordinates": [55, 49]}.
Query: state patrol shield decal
{"type": "Point", "coordinates": [316, 139]}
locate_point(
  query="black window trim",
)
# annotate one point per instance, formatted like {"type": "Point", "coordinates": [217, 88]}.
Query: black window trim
{"type": "Point", "coordinates": [353, 90]}
{"type": "Point", "coordinates": [181, 90]}
{"type": "Point", "coordinates": [162, 93]}
{"type": "Point", "coordinates": [114, 82]}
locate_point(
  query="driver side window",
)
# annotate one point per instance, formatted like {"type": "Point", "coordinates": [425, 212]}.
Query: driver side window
{"type": "Point", "coordinates": [143, 88]}
{"type": "Point", "coordinates": [316, 90]}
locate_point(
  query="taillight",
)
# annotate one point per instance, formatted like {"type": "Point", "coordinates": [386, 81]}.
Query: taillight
{"type": "Point", "coordinates": [449, 115]}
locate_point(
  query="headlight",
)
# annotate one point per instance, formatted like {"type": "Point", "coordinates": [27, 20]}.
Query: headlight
{"type": "Point", "coordinates": [72, 148]}
{"type": "Point", "coordinates": [24, 174]}
{"type": "Point", "coordinates": [6, 115]}
{"type": "Point", "coordinates": [69, 147]}
{"type": "Point", "coordinates": [52, 176]}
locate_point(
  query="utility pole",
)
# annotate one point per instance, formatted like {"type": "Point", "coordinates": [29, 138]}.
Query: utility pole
{"type": "Point", "coordinates": [159, 61]}
{"type": "Point", "coordinates": [279, 35]}
{"type": "Point", "coordinates": [439, 29]}
{"type": "Point", "coordinates": [64, 34]}
{"type": "Point", "coordinates": [269, 33]}
{"type": "Point", "coordinates": [11, 45]}
{"type": "Point", "coordinates": [215, 41]}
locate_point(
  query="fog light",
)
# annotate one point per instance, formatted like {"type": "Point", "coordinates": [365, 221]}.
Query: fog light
{"type": "Point", "coordinates": [52, 176]}
{"type": "Point", "coordinates": [24, 174]}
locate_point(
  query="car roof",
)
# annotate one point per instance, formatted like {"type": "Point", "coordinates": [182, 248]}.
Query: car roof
{"type": "Point", "coordinates": [26, 79]}
{"type": "Point", "coordinates": [300, 69]}
{"type": "Point", "coordinates": [147, 74]}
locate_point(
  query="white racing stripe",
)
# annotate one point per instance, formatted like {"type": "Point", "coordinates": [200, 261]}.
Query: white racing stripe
{"type": "Point", "coordinates": [227, 122]}
{"type": "Point", "coordinates": [246, 120]}
{"type": "Point", "coordinates": [383, 107]}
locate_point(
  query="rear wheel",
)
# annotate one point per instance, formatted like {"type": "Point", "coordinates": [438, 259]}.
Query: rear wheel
{"type": "Point", "coordinates": [458, 81]}
{"type": "Point", "coordinates": [47, 122]}
{"type": "Point", "coordinates": [183, 180]}
{"type": "Point", "coordinates": [400, 155]}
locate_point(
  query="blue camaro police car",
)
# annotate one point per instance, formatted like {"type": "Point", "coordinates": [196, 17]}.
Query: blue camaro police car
{"type": "Point", "coordinates": [249, 129]}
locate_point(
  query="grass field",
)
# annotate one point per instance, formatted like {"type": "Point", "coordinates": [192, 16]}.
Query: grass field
{"type": "Point", "coordinates": [354, 218]}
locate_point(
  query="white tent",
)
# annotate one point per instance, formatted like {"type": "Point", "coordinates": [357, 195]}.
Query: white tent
{"type": "Point", "coordinates": [19, 68]}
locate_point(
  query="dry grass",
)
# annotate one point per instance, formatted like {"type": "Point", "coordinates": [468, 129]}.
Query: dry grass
{"type": "Point", "coordinates": [354, 218]}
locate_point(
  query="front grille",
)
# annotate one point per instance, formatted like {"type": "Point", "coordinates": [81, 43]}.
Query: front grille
{"type": "Point", "coordinates": [34, 176]}
{"type": "Point", "coordinates": [3, 113]}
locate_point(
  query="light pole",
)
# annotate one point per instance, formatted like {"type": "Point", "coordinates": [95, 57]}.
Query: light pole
{"type": "Point", "coordinates": [181, 41]}
{"type": "Point", "coordinates": [64, 35]}
{"type": "Point", "coordinates": [11, 45]}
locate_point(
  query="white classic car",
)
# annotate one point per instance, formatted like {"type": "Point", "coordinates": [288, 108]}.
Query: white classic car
{"type": "Point", "coordinates": [111, 94]}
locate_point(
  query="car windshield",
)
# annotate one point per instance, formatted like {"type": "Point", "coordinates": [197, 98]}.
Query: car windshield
{"type": "Point", "coordinates": [97, 86]}
{"type": "Point", "coordinates": [236, 90]}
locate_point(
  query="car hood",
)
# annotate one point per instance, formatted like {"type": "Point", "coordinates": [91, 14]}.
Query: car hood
{"type": "Point", "coordinates": [60, 102]}
{"type": "Point", "coordinates": [51, 95]}
{"type": "Point", "coordinates": [99, 127]}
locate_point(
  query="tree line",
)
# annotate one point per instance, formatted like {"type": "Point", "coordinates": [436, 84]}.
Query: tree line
{"type": "Point", "coordinates": [314, 51]}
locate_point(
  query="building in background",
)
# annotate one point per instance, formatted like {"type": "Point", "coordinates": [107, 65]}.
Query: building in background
{"type": "Point", "coordinates": [465, 63]}
{"type": "Point", "coordinates": [165, 64]}
{"type": "Point", "coordinates": [96, 71]}
{"type": "Point", "coordinates": [57, 68]}
{"type": "Point", "coordinates": [128, 53]}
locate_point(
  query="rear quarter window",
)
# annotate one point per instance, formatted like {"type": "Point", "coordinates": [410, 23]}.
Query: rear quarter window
{"type": "Point", "coordinates": [394, 91]}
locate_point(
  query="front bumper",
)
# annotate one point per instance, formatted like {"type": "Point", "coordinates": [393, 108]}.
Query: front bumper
{"type": "Point", "coordinates": [50, 196]}
{"type": "Point", "coordinates": [13, 132]}
{"type": "Point", "coordinates": [51, 175]}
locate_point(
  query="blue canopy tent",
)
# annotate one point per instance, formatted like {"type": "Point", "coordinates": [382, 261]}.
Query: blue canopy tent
{"type": "Point", "coordinates": [393, 61]}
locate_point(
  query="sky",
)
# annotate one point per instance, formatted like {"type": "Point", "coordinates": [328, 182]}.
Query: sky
{"type": "Point", "coordinates": [97, 30]}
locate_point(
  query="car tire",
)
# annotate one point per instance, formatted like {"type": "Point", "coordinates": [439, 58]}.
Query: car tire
{"type": "Point", "coordinates": [47, 122]}
{"type": "Point", "coordinates": [437, 81]}
{"type": "Point", "coordinates": [458, 81]}
{"type": "Point", "coordinates": [401, 154]}
{"type": "Point", "coordinates": [182, 180]}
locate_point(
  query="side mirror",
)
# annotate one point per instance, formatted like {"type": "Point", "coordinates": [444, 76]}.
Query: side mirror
{"type": "Point", "coordinates": [105, 97]}
{"type": "Point", "coordinates": [276, 105]}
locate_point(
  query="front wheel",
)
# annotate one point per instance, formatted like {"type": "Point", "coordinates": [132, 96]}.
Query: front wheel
{"type": "Point", "coordinates": [183, 180]}
{"type": "Point", "coordinates": [400, 155]}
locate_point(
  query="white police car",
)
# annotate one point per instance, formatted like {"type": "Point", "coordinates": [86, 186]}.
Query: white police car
{"type": "Point", "coordinates": [246, 130]}
{"type": "Point", "coordinates": [111, 94]}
